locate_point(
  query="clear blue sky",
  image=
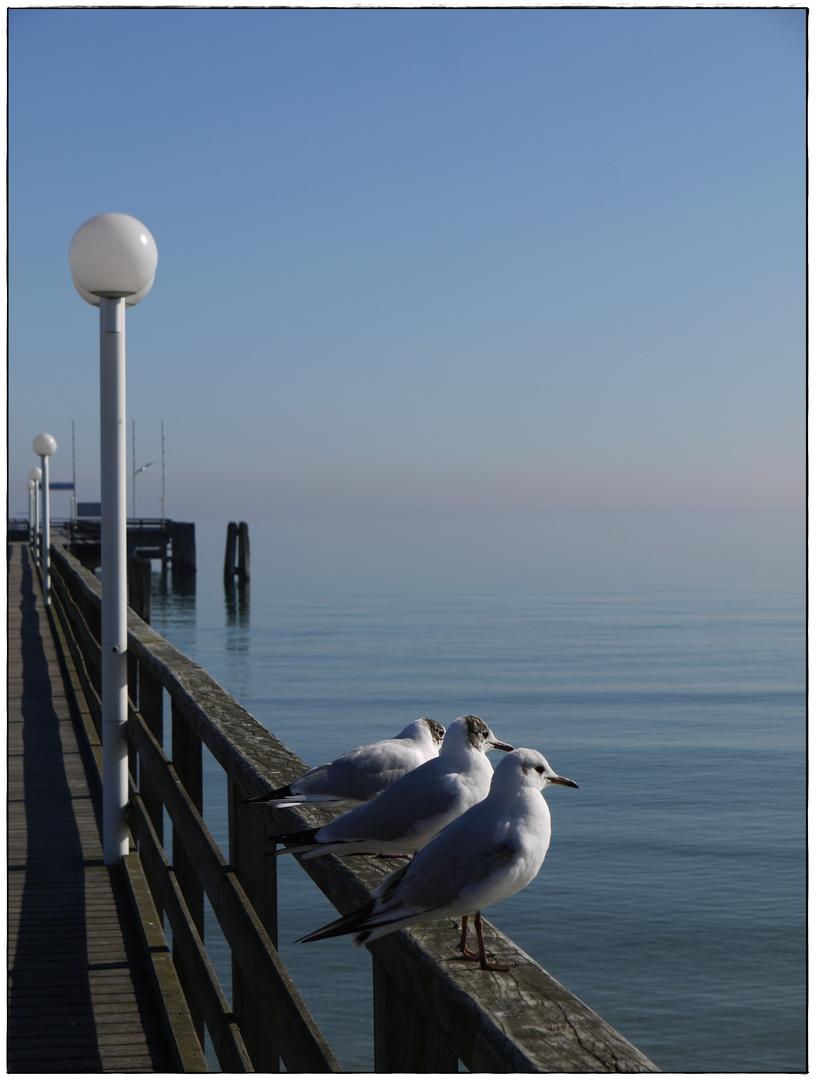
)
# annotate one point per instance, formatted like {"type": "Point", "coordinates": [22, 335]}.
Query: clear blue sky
{"type": "Point", "coordinates": [420, 258]}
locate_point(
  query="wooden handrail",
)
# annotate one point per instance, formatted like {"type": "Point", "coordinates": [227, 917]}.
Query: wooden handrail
{"type": "Point", "coordinates": [430, 1009]}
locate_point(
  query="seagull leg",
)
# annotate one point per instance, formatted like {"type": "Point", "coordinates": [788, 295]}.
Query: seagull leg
{"type": "Point", "coordinates": [468, 954]}
{"type": "Point", "coordinates": [482, 955]}
{"type": "Point", "coordinates": [462, 945]}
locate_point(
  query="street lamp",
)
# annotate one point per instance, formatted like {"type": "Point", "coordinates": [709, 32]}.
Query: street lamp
{"type": "Point", "coordinates": [35, 475]}
{"type": "Point", "coordinates": [113, 260]}
{"type": "Point", "coordinates": [136, 472]}
{"type": "Point", "coordinates": [45, 445]}
{"type": "Point", "coordinates": [30, 485]}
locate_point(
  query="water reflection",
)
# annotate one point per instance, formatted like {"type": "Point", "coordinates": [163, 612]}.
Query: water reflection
{"type": "Point", "coordinates": [236, 606]}
{"type": "Point", "coordinates": [236, 602]}
{"type": "Point", "coordinates": [173, 598]}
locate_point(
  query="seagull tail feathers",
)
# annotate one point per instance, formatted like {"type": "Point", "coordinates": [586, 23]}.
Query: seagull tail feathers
{"type": "Point", "coordinates": [347, 924]}
{"type": "Point", "coordinates": [299, 841]}
{"type": "Point", "coordinates": [284, 792]}
{"type": "Point", "coordinates": [283, 797]}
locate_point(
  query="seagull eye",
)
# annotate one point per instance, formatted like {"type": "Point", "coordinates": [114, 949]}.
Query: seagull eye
{"type": "Point", "coordinates": [539, 769]}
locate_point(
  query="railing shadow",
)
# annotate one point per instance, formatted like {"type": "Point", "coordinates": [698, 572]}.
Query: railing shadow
{"type": "Point", "coordinates": [51, 955]}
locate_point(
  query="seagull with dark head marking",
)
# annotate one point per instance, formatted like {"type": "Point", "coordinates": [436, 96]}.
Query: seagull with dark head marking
{"type": "Point", "coordinates": [361, 774]}
{"type": "Point", "coordinates": [488, 853]}
{"type": "Point", "coordinates": [409, 813]}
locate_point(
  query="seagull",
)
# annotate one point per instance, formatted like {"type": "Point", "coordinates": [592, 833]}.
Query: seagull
{"type": "Point", "coordinates": [360, 774]}
{"type": "Point", "coordinates": [405, 816]}
{"type": "Point", "coordinates": [493, 850]}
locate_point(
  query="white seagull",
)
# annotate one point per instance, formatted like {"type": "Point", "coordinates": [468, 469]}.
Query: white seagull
{"type": "Point", "coordinates": [492, 851]}
{"type": "Point", "coordinates": [360, 774]}
{"type": "Point", "coordinates": [409, 813]}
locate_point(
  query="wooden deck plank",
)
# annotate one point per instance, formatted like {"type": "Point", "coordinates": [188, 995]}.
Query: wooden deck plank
{"type": "Point", "coordinates": [80, 997]}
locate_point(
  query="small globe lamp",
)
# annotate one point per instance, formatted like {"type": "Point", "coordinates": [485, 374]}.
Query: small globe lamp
{"type": "Point", "coordinates": [45, 445]}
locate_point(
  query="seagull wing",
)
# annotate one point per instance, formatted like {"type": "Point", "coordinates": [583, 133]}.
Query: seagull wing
{"type": "Point", "coordinates": [464, 869]}
{"type": "Point", "coordinates": [355, 777]}
{"type": "Point", "coordinates": [363, 772]}
{"type": "Point", "coordinates": [402, 811]}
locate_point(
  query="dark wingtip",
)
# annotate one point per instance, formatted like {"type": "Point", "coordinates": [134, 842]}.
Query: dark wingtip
{"type": "Point", "coordinates": [278, 793]}
{"type": "Point", "coordinates": [344, 925]}
{"type": "Point", "coordinates": [306, 837]}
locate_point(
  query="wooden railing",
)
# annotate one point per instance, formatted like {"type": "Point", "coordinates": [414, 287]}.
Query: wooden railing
{"type": "Point", "coordinates": [428, 1013]}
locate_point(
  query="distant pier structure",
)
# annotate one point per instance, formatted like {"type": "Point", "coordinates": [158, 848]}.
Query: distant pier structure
{"type": "Point", "coordinates": [171, 542]}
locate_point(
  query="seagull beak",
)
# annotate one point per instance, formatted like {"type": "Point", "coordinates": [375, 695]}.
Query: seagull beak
{"type": "Point", "coordinates": [561, 780]}
{"type": "Point", "coordinates": [498, 745]}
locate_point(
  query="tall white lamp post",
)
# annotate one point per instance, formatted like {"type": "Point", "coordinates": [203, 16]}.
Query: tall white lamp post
{"type": "Point", "coordinates": [30, 485]}
{"type": "Point", "coordinates": [113, 260]}
{"type": "Point", "coordinates": [45, 445]}
{"type": "Point", "coordinates": [35, 476]}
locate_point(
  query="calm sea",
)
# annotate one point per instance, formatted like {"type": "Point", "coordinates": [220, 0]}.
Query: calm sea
{"type": "Point", "coordinates": [658, 659]}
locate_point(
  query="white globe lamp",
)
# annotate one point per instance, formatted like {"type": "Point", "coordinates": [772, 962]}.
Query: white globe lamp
{"type": "Point", "coordinates": [113, 255]}
{"type": "Point", "coordinates": [45, 445]}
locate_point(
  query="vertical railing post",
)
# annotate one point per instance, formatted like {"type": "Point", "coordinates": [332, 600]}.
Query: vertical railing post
{"type": "Point", "coordinates": [187, 760]}
{"type": "Point", "coordinates": [133, 695]}
{"type": "Point", "coordinates": [92, 613]}
{"type": "Point", "coordinates": [248, 828]}
{"type": "Point", "coordinates": [151, 707]}
{"type": "Point", "coordinates": [133, 679]}
{"type": "Point", "coordinates": [404, 1039]}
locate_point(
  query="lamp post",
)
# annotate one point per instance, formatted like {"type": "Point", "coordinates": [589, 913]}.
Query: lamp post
{"type": "Point", "coordinates": [136, 472]}
{"type": "Point", "coordinates": [35, 475]}
{"type": "Point", "coordinates": [45, 445]}
{"type": "Point", "coordinates": [30, 486]}
{"type": "Point", "coordinates": [113, 262]}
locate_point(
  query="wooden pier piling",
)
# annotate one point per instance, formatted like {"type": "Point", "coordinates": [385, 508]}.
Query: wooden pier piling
{"type": "Point", "coordinates": [236, 558]}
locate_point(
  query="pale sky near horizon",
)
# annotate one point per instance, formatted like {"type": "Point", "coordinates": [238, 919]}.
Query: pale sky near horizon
{"type": "Point", "coordinates": [408, 258]}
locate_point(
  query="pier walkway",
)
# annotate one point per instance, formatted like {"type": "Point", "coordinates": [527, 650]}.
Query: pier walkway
{"type": "Point", "coordinates": [80, 993]}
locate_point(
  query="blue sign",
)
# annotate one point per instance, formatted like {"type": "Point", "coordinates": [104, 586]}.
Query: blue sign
{"type": "Point", "coordinates": [60, 485]}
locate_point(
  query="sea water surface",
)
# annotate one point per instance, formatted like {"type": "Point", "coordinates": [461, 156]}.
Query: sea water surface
{"type": "Point", "coordinates": [657, 659]}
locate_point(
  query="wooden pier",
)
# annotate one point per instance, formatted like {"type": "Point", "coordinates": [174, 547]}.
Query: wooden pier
{"type": "Point", "coordinates": [80, 992]}
{"type": "Point", "coordinates": [429, 1012]}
